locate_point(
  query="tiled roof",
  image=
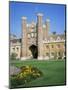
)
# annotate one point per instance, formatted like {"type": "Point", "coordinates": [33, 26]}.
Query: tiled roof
{"type": "Point", "coordinates": [16, 40]}
{"type": "Point", "coordinates": [55, 37]}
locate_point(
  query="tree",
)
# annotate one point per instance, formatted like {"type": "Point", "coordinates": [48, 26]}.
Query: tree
{"type": "Point", "coordinates": [54, 33]}
{"type": "Point", "coordinates": [13, 56]}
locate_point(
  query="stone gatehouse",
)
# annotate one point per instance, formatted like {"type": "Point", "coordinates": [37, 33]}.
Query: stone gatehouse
{"type": "Point", "coordinates": [37, 42]}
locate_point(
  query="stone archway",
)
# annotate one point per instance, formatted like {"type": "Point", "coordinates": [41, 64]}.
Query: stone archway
{"type": "Point", "coordinates": [34, 51]}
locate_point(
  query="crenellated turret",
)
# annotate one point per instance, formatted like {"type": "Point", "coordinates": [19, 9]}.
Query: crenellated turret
{"type": "Point", "coordinates": [40, 35]}
{"type": "Point", "coordinates": [24, 38]}
{"type": "Point", "coordinates": [47, 28]}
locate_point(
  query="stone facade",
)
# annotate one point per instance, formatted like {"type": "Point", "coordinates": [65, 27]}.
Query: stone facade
{"type": "Point", "coordinates": [37, 43]}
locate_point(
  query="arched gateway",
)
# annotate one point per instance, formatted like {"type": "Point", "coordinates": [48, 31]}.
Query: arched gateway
{"type": "Point", "coordinates": [34, 51]}
{"type": "Point", "coordinates": [32, 39]}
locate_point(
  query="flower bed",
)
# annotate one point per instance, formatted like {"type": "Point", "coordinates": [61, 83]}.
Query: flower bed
{"type": "Point", "coordinates": [26, 75]}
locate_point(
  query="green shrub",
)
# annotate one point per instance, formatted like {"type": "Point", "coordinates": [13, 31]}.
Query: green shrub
{"type": "Point", "coordinates": [13, 56]}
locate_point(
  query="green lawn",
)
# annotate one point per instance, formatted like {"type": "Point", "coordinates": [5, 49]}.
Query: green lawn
{"type": "Point", "coordinates": [53, 72]}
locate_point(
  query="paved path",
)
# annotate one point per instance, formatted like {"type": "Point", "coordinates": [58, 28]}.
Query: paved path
{"type": "Point", "coordinates": [14, 70]}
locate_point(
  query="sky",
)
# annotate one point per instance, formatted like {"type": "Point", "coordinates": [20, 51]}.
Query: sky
{"type": "Point", "coordinates": [54, 12]}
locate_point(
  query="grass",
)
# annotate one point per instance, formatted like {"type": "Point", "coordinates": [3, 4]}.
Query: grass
{"type": "Point", "coordinates": [53, 72]}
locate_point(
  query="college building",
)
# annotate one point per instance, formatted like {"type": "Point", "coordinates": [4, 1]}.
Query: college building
{"type": "Point", "coordinates": [37, 42]}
